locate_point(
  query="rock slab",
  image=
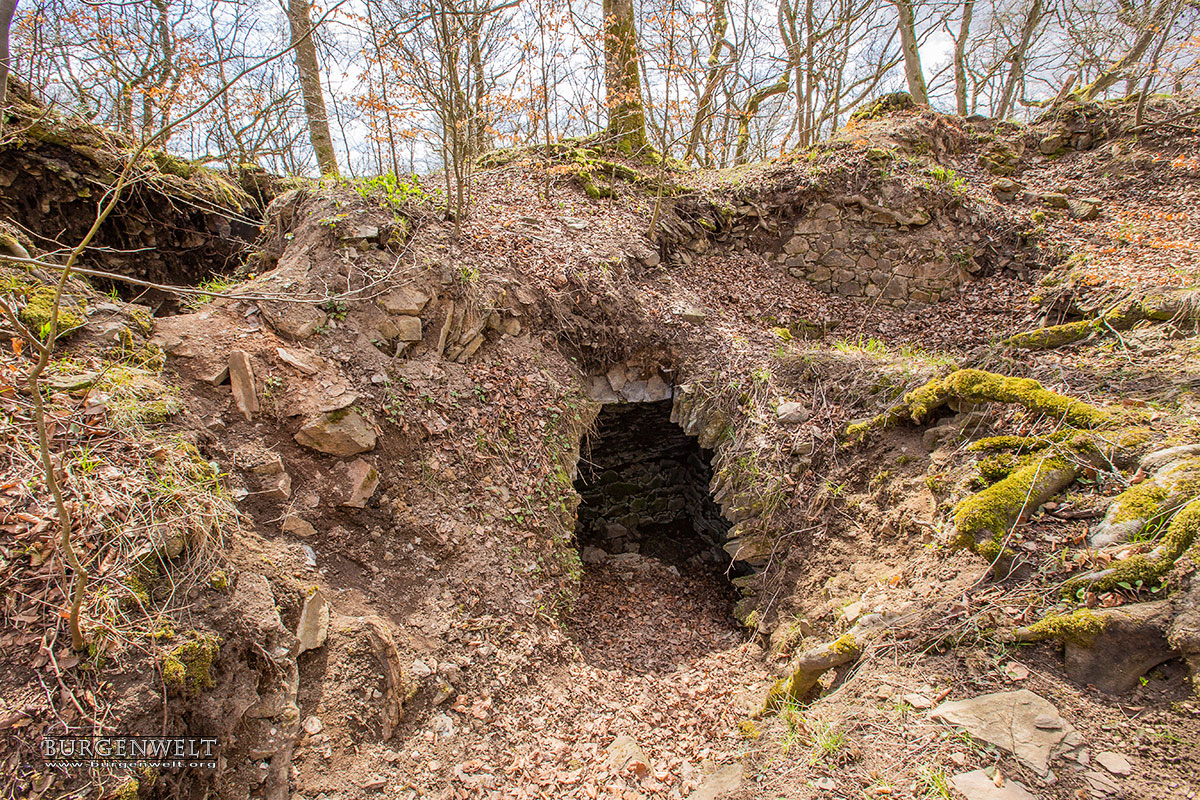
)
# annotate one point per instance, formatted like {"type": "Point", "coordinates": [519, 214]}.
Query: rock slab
{"type": "Point", "coordinates": [725, 779]}
{"type": "Point", "coordinates": [313, 628]}
{"type": "Point", "coordinates": [625, 754]}
{"type": "Point", "coordinates": [1021, 722]}
{"type": "Point", "coordinates": [338, 433]}
{"type": "Point", "coordinates": [241, 381]}
{"type": "Point", "coordinates": [978, 786]}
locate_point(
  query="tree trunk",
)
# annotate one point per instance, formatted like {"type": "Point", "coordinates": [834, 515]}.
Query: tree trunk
{"type": "Point", "coordinates": [8, 8]}
{"type": "Point", "coordinates": [1134, 55]}
{"type": "Point", "coordinates": [622, 81]}
{"type": "Point", "coordinates": [756, 99]}
{"type": "Point", "coordinates": [1017, 72]}
{"type": "Point", "coordinates": [715, 72]}
{"type": "Point", "coordinates": [907, 25]}
{"type": "Point", "coordinates": [960, 58]}
{"type": "Point", "coordinates": [300, 20]}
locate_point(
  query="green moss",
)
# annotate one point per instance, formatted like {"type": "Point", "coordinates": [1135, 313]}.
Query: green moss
{"type": "Point", "coordinates": [188, 667]}
{"type": "Point", "coordinates": [1027, 444]}
{"type": "Point", "coordinates": [1081, 626]}
{"type": "Point", "coordinates": [996, 509]}
{"type": "Point", "coordinates": [1053, 336]}
{"type": "Point", "coordinates": [977, 386]}
{"type": "Point", "coordinates": [844, 644]}
{"type": "Point", "coordinates": [39, 308]}
{"type": "Point", "coordinates": [138, 588]}
{"type": "Point", "coordinates": [748, 730]}
{"type": "Point", "coordinates": [218, 580]}
{"type": "Point", "coordinates": [1151, 501]}
{"type": "Point", "coordinates": [127, 790]}
{"type": "Point", "coordinates": [172, 165]}
{"type": "Point", "coordinates": [884, 105]}
{"type": "Point", "coordinates": [995, 468]}
{"type": "Point", "coordinates": [1148, 568]}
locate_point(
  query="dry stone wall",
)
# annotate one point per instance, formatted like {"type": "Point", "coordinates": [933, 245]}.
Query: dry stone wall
{"type": "Point", "coordinates": [883, 243]}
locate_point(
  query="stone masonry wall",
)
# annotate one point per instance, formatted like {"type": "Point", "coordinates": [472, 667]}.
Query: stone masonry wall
{"type": "Point", "coordinates": [882, 242]}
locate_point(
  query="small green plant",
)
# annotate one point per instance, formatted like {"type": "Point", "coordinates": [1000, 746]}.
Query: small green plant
{"type": "Point", "coordinates": [946, 176]}
{"type": "Point", "coordinates": [218, 284]}
{"type": "Point", "coordinates": [393, 191]}
{"type": "Point", "coordinates": [935, 783]}
{"type": "Point", "coordinates": [827, 741]}
{"type": "Point", "coordinates": [336, 309]}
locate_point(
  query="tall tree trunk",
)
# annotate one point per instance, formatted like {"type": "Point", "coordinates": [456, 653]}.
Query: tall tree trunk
{"type": "Point", "coordinates": [714, 73]}
{"type": "Point", "coordinates": [960, 58]}
{"type": "Point", "coordinates": [383, 88]}
{"type": "Point", "coordinates": [1017, 71]}
{"type": "Point", "coordinates": [907, 25]}
{"type": "Point", "coordinates": [756, 100]}
{"type": "Point", "coordinates": [300, 20]}
{"type": "Point", "coordinates": [1134, 55]}
{"type": "Point", "coordinates": [8, 8]}
{"type": "Point", "coordinates": [622, 80]}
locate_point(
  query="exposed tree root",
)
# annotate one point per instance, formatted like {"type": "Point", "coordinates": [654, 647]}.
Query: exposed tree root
{"type": "Point", "coordinates": [1180, 307]}
{"type": "Point", "coordinates": [1149, 568]}
{"type": "Point", "coordinates": [977, 386]}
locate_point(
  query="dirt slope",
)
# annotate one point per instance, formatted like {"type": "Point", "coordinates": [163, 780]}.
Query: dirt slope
{"type": "Point", "coordinates": [390, 421]}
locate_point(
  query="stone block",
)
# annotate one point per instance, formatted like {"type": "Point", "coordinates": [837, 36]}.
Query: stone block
{"type": "Point", "coordinates": [408, 329]}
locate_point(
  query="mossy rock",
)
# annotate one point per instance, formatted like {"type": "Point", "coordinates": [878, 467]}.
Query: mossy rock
{"type": "Point", "coordinates": [39, 308]}
{"type": "Point", "coordinates": [1000, 160]}
{"type": "Point", "coordinates": [187, 668]}
{"type": "Point", "coordinates": [883, 106]}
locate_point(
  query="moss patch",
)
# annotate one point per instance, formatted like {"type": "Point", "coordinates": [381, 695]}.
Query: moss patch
{"type": "Point", "coordinates": [39, 307]}
{"type": "Point", "coordinates": [188, 667]}
{"type": "Point", "coordinates": [989, 515]}
{"type": "Point", "coordinates": [1053, 336]}
{"type": "Point", "coordinates": [1149, 568]}
{"type": "Point", "coordinates": [977, 386]}
{"type": "Point", "coordinates": [1081, 626]}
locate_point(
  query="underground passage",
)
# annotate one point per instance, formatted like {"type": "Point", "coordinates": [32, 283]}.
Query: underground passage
{"type": "Point", "coordinates": [656, 589]}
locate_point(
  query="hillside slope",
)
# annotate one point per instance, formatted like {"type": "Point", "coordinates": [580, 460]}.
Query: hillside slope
{"type": "Point", "coordinates": [331, 516]}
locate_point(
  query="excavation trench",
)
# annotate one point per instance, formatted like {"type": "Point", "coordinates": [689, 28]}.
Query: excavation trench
{"type": "Point", "coordinates": [656, 589]}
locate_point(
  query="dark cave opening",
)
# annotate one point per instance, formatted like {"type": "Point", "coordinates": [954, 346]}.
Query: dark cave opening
{"type": "Point", "coordinates": [656, 589]}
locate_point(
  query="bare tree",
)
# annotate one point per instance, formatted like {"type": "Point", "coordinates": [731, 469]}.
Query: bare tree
{"type": "Point", "coordinates": [906, 23]}
{"type": "Point", "coordinates": [960, 57]}
{"type": "Point", "coordinates": [1147, 27]}
{"type": "Point", "coordinates": [1017, 58]}
{"type": "Point", "coordinates": [8, 8]}
{"type": "Point", "coordinates": [299, 15]}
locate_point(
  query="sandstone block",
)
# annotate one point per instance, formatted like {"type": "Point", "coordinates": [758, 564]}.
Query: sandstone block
{"type": "Point", "coordinates": [338, 433]}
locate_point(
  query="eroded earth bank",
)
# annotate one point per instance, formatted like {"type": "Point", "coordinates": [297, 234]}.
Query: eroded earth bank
{"type": "Point", "coordinates": [868, 472]}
